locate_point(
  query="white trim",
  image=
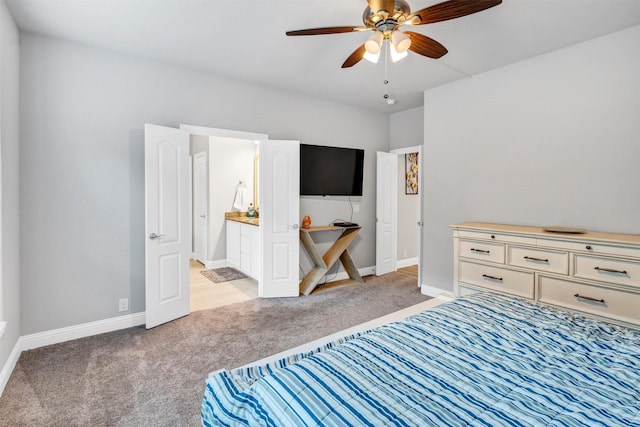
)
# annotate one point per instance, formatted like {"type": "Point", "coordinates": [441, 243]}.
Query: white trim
{"type": "Point", "coordinates": [216, 263]}
{"type": "Point", "coordinates": [224, 133]}
{"type": "Point", "coordinates": [435, 292]}
{"type": "Point", "coordinates": [3, 326]}
{"type": "Point", "coordinates": [392, 317]}
{"type": "Point", "coordinates": [407, 150]}
{"type": "Point", "coordinates": [56, 336]}
{"type": "Point", "coordinates": [407, 262]}
{"type": "Point", "coordinates": [212, 263]}
{"type": "Point", "coordinates": [9, 365]}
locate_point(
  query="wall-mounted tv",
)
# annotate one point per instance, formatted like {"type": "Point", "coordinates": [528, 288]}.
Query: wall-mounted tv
{"type": "Point", "coordinates": [330, 171]}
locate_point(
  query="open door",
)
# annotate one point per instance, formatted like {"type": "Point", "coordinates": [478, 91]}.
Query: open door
{"type": "Point", "coordinates": [386, 207]}
{"type": "Point", "coordinates": [279, 212]}
{"type": "Point", "coordinates": [200, 206]}
{"type": "Point", "coordinates": [168, 238]}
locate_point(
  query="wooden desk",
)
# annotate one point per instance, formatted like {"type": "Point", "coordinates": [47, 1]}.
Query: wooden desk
{"type": "Point", "coordinates": [323, 263]}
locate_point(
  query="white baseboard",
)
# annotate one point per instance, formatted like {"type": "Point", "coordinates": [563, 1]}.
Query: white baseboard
{"type": "Point", "coordinates": [366, 271]}
{"type": "Point", "coordinates": [218, 263]}
{"type": "Point", "coordinates": [435, 292]}
{"type": "Point", "coordinates": [7, 369]}
{"type": "Point", "coordinates": [401, 263]}
{"type": "Point", "coordinates": [55, 336]}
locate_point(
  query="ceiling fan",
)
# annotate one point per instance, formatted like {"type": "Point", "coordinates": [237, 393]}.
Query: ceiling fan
{"type": "Point", "coordinates": [386, 17]}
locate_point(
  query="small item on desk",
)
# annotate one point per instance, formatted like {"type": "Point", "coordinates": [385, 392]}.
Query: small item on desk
{"type": "Point", "coordinates": [306, 221]}
{"type": "Point", "coordinates": [345, 224]}
{"type": "Point", "coordinates": [251, 211]}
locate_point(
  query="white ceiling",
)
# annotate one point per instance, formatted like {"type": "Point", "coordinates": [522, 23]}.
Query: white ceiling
{"type": "Point", "coordinates": [245, 39]}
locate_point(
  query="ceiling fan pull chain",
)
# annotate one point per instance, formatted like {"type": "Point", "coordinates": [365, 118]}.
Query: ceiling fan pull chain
{"type": "Point", "coordinates": [386, 71]}
{"type": "Point", "coordinates": [387, 98]}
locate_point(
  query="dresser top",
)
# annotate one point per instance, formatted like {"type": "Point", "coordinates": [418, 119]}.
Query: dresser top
{"type": "Point", "coordinates": [587, 236]}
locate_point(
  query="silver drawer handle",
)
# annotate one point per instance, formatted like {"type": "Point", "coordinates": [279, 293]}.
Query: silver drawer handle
{"type": "Point", "coordinates": [482, 251]}
{"type": "Point", "coordinates": [609, 270]}
{"type": "Point", "coordinates": [589, 298]}
{"type": "Point", "coordinates": [486, 276]}
{"type": "Point", "coordinates": [530, 258]}
{"type": "Point", "coordinates": [154, 236]}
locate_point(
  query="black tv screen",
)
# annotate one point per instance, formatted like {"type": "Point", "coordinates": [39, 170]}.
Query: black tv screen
{"type": "Point", "coordinates": [330, 171]}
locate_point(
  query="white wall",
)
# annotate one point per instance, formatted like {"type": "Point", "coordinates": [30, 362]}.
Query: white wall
{"type": "Point", "coordinates": [9, 204]}
{"type": "Point", "coordinates": [82, 186]}
{"type": "Point", "coordinates": [553, 140]}
{"type": "Point", "coordinates": [230, 161]}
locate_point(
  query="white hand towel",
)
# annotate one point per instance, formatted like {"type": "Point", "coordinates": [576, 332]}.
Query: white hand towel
{"type": "Point", "coordinates": [239, 199]}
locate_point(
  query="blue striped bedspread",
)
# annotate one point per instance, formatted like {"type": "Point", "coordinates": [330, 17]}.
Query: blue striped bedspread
{"type": "Point", "coordinates": [482, 360]}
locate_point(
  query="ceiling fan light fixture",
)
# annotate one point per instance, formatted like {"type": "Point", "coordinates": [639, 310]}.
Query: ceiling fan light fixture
{"type": "Point", "coordinates": [400, 41]}
{"type": "Point", "coordinates": [372, 57]}
{"type": "Point", "coordinates": [374, 43]}
{"type": "Point", "coordinates": [395, 55]}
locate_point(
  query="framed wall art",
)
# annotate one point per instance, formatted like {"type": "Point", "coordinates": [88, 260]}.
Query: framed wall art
{"type": "Point", "coordinates": [411, 173]}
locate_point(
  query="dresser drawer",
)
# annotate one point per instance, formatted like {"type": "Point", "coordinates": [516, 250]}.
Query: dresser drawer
{"type": "Point", "coordinates": [497, 237]}
{"type": "Point", "coordinates": [498, 279]}
{"type": "Point", "coordinates": [539, 259]}
{"type": "Point", "coordinates": [610, 270]}
{"type": "Point", "coordinates": [612, 303]}
{"type": "Point", "coordinates": [485, 251]}
{"type": "Point", "coordinates": [591, 247]}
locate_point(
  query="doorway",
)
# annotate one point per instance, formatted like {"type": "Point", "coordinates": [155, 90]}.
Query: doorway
{"type": "Point", "coordinates": [409, 208]}
{"type": "Point", "coordinates": [205, 294]}
{"type": "Point", "coordinates": [219, 165]}
{"type": "Point", "coordinates": [399, 211]}
{"type": "Point", "coordinates": [168, 216]}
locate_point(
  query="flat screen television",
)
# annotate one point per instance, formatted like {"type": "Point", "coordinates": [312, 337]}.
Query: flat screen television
{"type": "Point", "coordinates": [330, 171]}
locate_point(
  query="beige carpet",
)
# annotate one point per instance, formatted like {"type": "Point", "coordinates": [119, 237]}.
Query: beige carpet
{"type": "Point", "coordinates": [136, 377]}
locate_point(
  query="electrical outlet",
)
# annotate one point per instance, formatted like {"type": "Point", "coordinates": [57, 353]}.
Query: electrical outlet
{"type": "Point", "coordinates": [356, 208]}
{"type": "Point", "coordinates": [123, 304]}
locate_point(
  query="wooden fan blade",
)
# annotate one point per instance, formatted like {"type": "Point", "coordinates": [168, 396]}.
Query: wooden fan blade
{"type": "Point", "coordinates": [378, 5]}
{"type": "Point", "coordinates": [327, 30]}
{"type": "Point", "coordinates": [425, 46]}
{"type": "Point", "coordinates": [355, 57]}
{"type": "Point", "coordinates": [450, 9]}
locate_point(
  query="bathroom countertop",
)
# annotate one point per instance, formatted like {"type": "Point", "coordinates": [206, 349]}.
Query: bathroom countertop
{"type": "Point", "coordinates": [241, 217]}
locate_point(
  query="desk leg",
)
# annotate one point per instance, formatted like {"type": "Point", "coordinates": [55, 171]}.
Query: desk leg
{"type": "Point", "coordinates": [350, 267]}
{"type": "Point", "coordinates": [311, 280]}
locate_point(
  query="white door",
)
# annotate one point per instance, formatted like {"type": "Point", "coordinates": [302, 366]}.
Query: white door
{"type": "Point", "coordinates": [279, 212]}
{"type": "Point", "coordinates": [386, 207]}
{"type": "Point", "coordinates": [200, 202]}
{"type": "Point", "coordinates": [168, 238]}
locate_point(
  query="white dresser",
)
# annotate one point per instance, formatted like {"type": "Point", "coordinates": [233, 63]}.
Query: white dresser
{"type": "Point", "coordinates": [597, 274]}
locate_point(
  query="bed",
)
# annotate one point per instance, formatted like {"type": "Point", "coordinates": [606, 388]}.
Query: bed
{"type": "Point", "coordinates": [481, 360]}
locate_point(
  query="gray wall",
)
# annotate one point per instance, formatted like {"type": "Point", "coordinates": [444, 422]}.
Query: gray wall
{"type": "Point", "coordinates": [406, 128]}
{"type": "Point", "coordinates": [81, 165]}
{"type": "Point", "coordinates": [553, 140]}
{"type": "Point", "coordinates": [9, 203]}
{"type": "Point", "coordinates": [408, 216]}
